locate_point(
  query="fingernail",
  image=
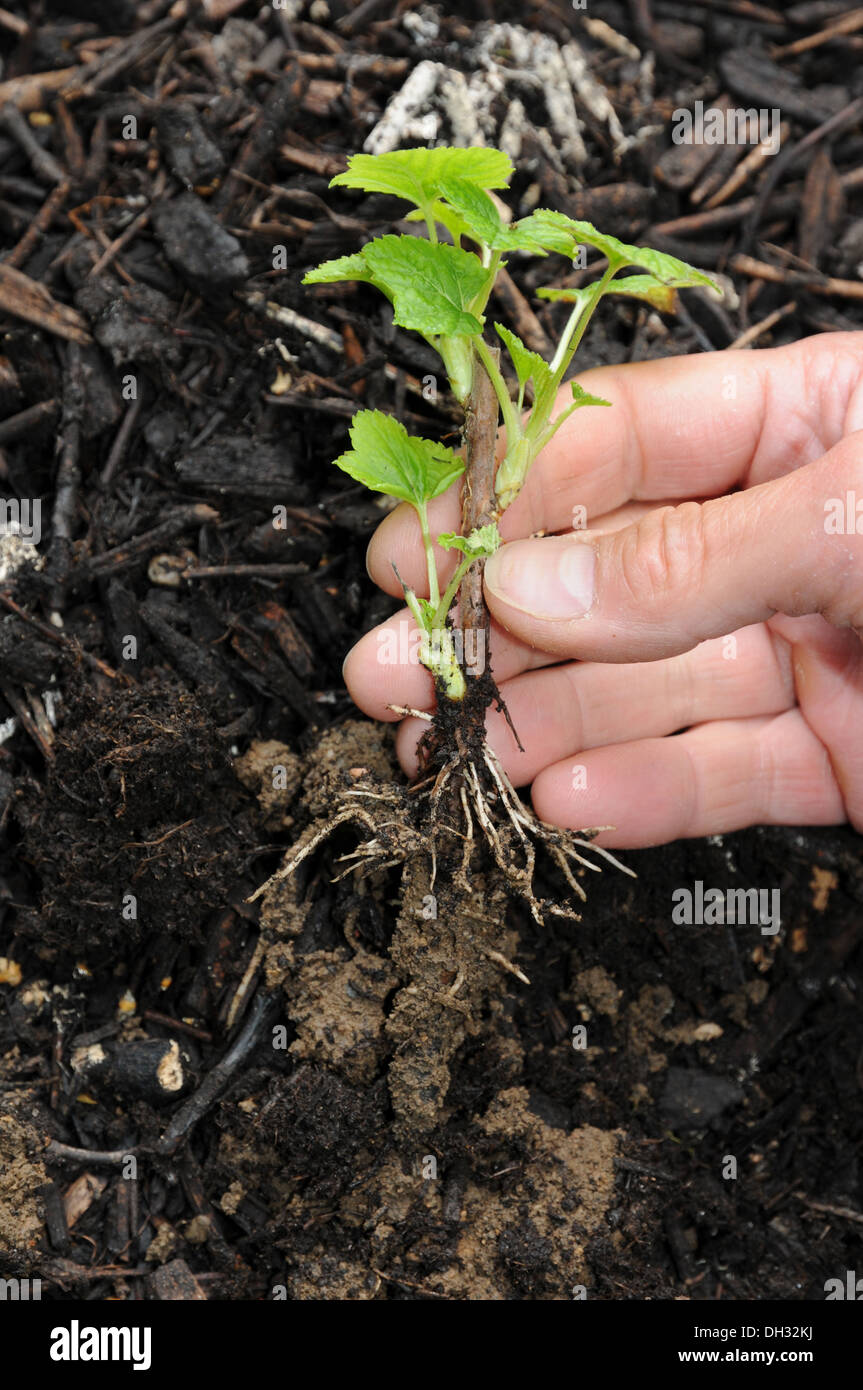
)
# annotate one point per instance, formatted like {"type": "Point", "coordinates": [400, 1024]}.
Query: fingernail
{"type": "Point", "coordinates": [549, 581]}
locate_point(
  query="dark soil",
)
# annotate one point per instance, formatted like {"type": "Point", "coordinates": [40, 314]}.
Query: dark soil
{"type": "Point", "coordinates": [203, 1096]}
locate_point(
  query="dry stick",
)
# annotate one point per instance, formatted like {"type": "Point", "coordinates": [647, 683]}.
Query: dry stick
{"type": "Point", "coordinates": [848, 116]}
{"type": "Point", "coordinates": [52, 635]}
{"type": "Point", "coordinates": [263, 1010]}
{"type": "Point", "coordinates": [110, 562]}
{"type": "Point", "coordinates": [759, 329]}
{"type": "Point", "coordinates": [26, 420]}
{"type": "Point", "coordinates": [266, 571]}
{"type": "Point", "coordinates": [814, 281]}
{"type": "Point", "coordinates": [56, 1150]}
{"type": "Point", "coordinates": [749, 165]}
{"type": "Point", "coordinates": [30, 300]}
{"type": "Point", "coordinates": [68, 477]}
{"type": "Point", "coordinates": [41, 222]}
{"type": "Point", "coordinates": [42, 162]}
{"type": "Point", "coordinates": [848, 24]}
{"type": "Point", "coordinates": [118, 448]}
{"type": "Point", "coordinates": [26, 720]}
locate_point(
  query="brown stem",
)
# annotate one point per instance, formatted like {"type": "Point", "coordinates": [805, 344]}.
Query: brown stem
{"type": "Point", "coordinates": [478, 509]}
{"type": "Point", "coordinates": [459, 725]}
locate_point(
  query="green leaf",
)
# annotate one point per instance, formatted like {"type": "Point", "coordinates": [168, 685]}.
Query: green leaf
{"type": "Point", "coordinates": [476, 211]}
{"type": "Point", "coordinates": [582, 397]}
{"type": "Point", "coordinates": [645, 287]}
{"type": "Point", "coordinates": [556, 230]}
{"type": "Point", "coordinates": [342, 268]}
{"type": "Point", "coordinates": [416, 175]}
{"type": "Point", "coordinates": [385, 458]}
{"type": "Point", "coordinates": [430, 285]}
{"type": "Point", "coordinates": [482, 541]}
{"type": "Point", "coordinates": [529, 365]}
{"type": "Point", "coordinates": [478, 217]}
{"type": "Point", "coordinates": [541, 232]}
{"type": "Point", "coordinates": [648, 288]}
{"type": "Point", "coordinates": [447, 216]}
{"type": "Point", "coordinates": [429, 613]}
{"type": "Point", "coordinates": [553, 231]}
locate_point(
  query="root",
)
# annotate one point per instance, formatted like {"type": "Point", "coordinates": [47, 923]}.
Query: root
{"type": "Point", "coordinates": [517, 859]}
{"type": "Point", "coordinates": [478, 793]}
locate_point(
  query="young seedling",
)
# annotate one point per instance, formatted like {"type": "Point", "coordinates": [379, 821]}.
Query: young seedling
{"type": "Point", "coordinates": [440, 289]}
{"type": "Point", "coordinates": [439, 284]}
{"type": "Point", "coordinates": [461, 835]}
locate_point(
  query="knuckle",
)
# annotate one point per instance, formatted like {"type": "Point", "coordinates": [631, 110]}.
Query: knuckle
{"type": "Point", "coordinates": [663, 553]}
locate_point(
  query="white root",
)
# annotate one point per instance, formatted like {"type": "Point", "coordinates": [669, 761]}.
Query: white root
{"type": "Point", "coordinates": [348, 813]}
{"type": "Point", "coordinates": [493, 806]}
{"type": "Point", "coordinates": [504, 964]}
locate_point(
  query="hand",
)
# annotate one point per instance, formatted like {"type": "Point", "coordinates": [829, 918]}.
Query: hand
{"type": "Point", "coordinates": [692, 662]}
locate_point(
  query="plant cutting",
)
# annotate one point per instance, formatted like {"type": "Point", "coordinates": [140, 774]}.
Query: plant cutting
{"type": "Point", "coordinates": [462, 831]}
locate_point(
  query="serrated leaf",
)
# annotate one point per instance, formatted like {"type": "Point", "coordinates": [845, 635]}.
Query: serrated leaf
{"type": "Point", "coordinates": [475, 209]}
{"type": "Point", "coordinates": [544, 232]}
{"type": "Point", "coordinates": [530, 366]}
{"type": "Point", "coordinates": [582, 397]}
{"type": "Point", "coordinates": [416, 175]}
{"type": "Point", "coordinates": [556, 228]}
{"type": "Point", "coordinates": [430, 285]}
{"type": "Point", "coordinates": [342, 268]}
{"type": "Point", "coordinates": [385, 458]}
{"type": "Point", "coordinates": [482, 541]}
{"type": "Point", "coordinates": [527, 363]}
{"type": "Point", "coordinates": [645, 287]}
{"type": "Point", "coordinates": [446, 216]}
{"type": "Point", "coordinates": [553, 231]}
{"type": "Point", "coordinates": [476, 215]}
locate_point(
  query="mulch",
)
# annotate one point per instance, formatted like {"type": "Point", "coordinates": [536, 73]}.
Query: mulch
{"type": "Point", "coordinates": [174, 396]}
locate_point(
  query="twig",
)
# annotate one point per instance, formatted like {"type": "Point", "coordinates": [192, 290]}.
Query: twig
{"type": "Point", "coordinates": [268, 571]}
{"type": "Point", "coordinates": [61, 640]}
{"type": "Point", "coordinates": [118, 448]}
{"type": "Point", "coordinates": [27, 299]}
{"type": "Point", "coordinates": [307, 328]}
{"type": "Point", "coordinates": [759, 329]}
{"type": "Point", "coordinates": [72, 1155]}
{"type": "Point", "coordinates": [848, 24]}
{"type": "Point", "coordinates": [197, 1105]}
{"type": "Point", "coordinates": [844, 1213]}
{"type": "Point", "coordinates": [28, 91]}
{"type": "Point", "coordinates": [849, 115]}
{"type": "Point", "coordinates": [41, 222]}
{"type": "Point", "coordinates": [68, 475]}
{"type": "Point", "coordinates": [42, 162]}
{"type": "Point", "coordinates": [813, 281]}
{"type": "Point", "coordinates": [25, 420]}
{"type": "Point", "coordinates": [26, 720]}
{"type": "Point", "coordinates": [122, 556]}
{"type": "Point", "coordinates": [107, 256]}
{"type": "Point", "coordinates": [749, 165]}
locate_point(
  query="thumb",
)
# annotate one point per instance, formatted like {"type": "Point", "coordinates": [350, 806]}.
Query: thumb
{"type": "Point", "coordinates": [683, 574]}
